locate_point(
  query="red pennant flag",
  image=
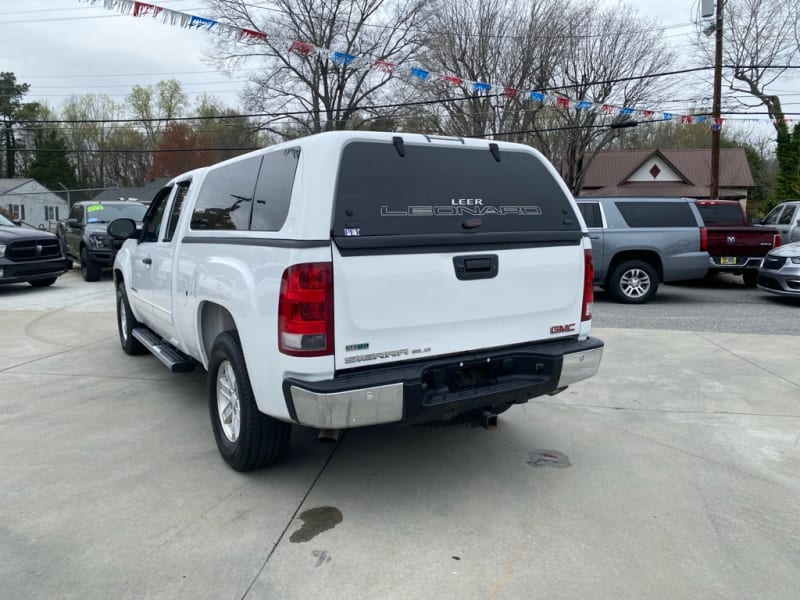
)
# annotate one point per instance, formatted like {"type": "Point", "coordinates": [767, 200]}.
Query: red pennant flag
{"type": "Point", "coordinates": [510, 92]}
{"type": "Point", "coordinates": [453, 80]}
{"type": "Point", "coordinates": [383, 66]}
{"type": "Point", "coordinates": [606, 109]}
{"type": "Point", "coordinates": [302, 48]}
{"type": "Point", "coordinates": [249, 34]}
{"type": "Point", "coordinates": [647, 114]}
{"type": "Point", "coordinates": [141, 9]}
{"type": "Point", "coordinates": [562, 102]}
{"type": "Point", "coordinates": [686, 119]}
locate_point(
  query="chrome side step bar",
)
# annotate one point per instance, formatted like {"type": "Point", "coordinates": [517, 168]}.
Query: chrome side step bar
{"type": "Point", "coordinates": [175, 360]}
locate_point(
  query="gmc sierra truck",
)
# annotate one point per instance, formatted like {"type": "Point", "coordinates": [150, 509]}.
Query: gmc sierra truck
{"type": "Point", "coordinates": [355, 278]}
{"type": "Point", "coordinates": [734, 246]}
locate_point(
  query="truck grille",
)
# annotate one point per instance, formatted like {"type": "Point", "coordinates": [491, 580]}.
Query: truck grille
{"type": "Point", "coordinates": [27, 250]}
{"type": "Point", "coordinates": [773, 263]}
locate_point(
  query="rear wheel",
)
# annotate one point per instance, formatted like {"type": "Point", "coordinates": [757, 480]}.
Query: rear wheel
{"type": "Point", "coordinates": [89, 269]}
{"type": "Point", "coordinates": [633, 282]}
{"type": "Point", "coordinates": [43, 282]}
{"type": "Point", "coordinates": [246, 438]}
{"type": "Point", "coordinates": [126, 323]}
{"type": "Point", "coordinates": [750, 278]}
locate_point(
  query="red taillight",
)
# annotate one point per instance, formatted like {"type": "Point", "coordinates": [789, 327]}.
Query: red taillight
{"type": "Point", "coordinates": [703, 239]}
{"type": "Point", "coordinates": [305, 310]}
{"type": "Point", "coordinates": [588, 286]}
{"type": "Point", "coordinates": [776, 240]}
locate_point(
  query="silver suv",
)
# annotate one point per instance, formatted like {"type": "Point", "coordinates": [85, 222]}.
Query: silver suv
{"type": "Point", "coordinates": [785, 217]}
{"type": "Point", "coordinates": [638, 243]}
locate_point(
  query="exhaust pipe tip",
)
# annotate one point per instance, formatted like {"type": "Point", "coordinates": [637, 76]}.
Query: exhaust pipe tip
{"type": "Point", "coordinates": [329, 436]}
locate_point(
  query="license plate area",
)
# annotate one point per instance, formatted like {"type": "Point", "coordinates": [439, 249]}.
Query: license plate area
{"type": "Point", "coordinates": [447, 382]}
{"type": "Point", "coordinates": [728, 260]}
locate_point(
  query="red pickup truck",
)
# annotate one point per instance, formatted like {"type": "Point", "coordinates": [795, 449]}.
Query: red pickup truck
{"type": "Point", "coordinates": [733, 245]}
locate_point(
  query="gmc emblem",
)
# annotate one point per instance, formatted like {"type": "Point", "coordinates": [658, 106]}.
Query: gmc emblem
{"type": "Point", "coordinates": [562, 328]}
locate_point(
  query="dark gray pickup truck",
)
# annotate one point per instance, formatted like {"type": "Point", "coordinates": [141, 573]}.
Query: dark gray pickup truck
{"type": "Point", "coordinates": [638, 243]}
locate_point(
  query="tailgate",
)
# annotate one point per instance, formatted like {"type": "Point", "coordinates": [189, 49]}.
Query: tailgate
{"type": "Point", "coordinates": [740, 241]}
{"type": "Point", "coordinates": [400, 307]}
{"type": "Point", "coordinates": [443, 248]}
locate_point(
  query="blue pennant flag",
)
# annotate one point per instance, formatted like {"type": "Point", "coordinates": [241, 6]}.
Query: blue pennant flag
{"type": "Point", "coordinates": [668, 116]}
{"type": "Point", "coordinates": [481, 87]}
{"type": "Point", "coordinates": [584, 105]}
{"type": "Point", "coordinates": [625, 111]}
{"type": "Point", "coordinates": [342, 58]}
{"type": "Point", "coordinates": [701, 119]}
{"type": "Point", "coordinates": [200, 22]}
{"type": "Point", "coordinates": [537, 96]}
{"type": "Point", "coordinates": [421, 73]}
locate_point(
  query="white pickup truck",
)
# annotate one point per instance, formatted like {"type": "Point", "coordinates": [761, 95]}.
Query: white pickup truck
{"type": "Point", "coordinates": [355, 278]}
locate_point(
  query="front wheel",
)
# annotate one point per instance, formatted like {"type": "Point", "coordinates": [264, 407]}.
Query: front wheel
{"type": "Point", "coordinates": [750, 278]}
{"type": "Point", "coordinates": [89, 269]}
{"type": "Point", "coordinates": [126, 323]}
{"type": "Point", "coordinates": [633, 282]}
{"type": "Point", "coordinates": [246, 438]}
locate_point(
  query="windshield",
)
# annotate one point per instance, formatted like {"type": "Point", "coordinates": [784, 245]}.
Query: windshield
{"type": "Point", "coordinates": [4, 221]}
{"type": "Point", "coordinates": [105, 213]}
{"type": "Point", "coordinates": [729, 214]}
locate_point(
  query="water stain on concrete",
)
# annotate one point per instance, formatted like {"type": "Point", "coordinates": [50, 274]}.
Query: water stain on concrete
{"type": "Point", "coordinates": [315, 521]}
{"type": "Point", "coordinates": [322, 557]}
{"type": "Point", "coordinates": [548, 458]}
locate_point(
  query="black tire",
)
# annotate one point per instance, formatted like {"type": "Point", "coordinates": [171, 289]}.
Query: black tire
{"type": "Point", "coordinates": [126, 323]}
{"type": "Point", "coordinates": [43, 282]}
{"type": "Point", "coordinates": [750, 278]}
{"type": "Point", "coordinates": [261, 440]}
{"type": "Point", "coordinates": [633, 282]}
{"type": "Point", "coordinates": [89, 269]}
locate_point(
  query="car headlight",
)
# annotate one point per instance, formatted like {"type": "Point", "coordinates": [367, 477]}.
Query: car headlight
{"type": "Point", "coordinates": [2, 250]}
{"type": "Point", "coordinates": [101, 241]}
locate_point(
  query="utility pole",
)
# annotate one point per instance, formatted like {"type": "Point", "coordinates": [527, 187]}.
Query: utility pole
{"type": "Point", "coordinates": [716, 109]}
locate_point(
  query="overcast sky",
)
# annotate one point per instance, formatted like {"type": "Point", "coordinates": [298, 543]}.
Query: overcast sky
{"type": "Point", "coordinates": [64, 47]}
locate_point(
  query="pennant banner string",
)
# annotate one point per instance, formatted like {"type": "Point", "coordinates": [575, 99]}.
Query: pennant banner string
{"type": "Point", "coordinates": [412, 73]}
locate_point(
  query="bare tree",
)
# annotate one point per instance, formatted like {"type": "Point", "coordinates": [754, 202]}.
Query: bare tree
{"type": "Point", "coordinates": [510, 44]}
{"type": "Point", "coordinates": [157, 105]}
{"type": "Point", "coordinates": [761, 39]}
{"type": "Point", "coordinates": [762, 42]}
{"type": "Point", "coordinates": [612, 62]}
{"type": "Point", "coordinates": [315, 90]}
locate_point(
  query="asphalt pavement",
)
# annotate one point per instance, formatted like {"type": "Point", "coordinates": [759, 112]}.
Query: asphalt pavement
{"type": "Point", "coordinates": [674, 473]}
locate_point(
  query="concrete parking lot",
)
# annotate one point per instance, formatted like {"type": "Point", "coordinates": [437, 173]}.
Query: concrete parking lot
{"type": "Point", "coordinates": [674, 473]}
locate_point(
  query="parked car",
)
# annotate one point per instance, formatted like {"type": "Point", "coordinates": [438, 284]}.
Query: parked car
{"type": "Point", "coordinates": [786, 219]}
{"type": "Point", "coordinates": [29, 255]}
{"type": "Point", "coordinates": [780, 271]}
{"type": "Point", "coordinates": [638, 243]}
{"type": "Point", "coordinates": [84, 237]}
{"type": "Point", "coordinates": [734, 245]}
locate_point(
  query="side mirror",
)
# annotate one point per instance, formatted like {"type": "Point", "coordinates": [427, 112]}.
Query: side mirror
{"type": "Point", "coordinates": [755, 221]}
{"type": "Point", "coordinates": [73, 223]}
{"type": "Point", "coordinates": [122, 228]}
{"type": "Point", "coordinates": [17, 222]}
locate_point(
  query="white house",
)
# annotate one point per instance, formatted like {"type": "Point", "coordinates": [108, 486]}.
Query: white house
{"type": "Point", "coordinates": [32, 203]}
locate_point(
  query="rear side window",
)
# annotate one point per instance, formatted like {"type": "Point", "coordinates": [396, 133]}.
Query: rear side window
{"type": "Point", "coordinates": [787, 215]}
{"type": "Point", "coordinates": [226, 197]}
{"type": "Point", "coordinates": [591, 214]}
{"type": "Point", "coordinates": [657, 214]}
{"type": "Point", "coordinates": [720, 213]}
{"type": "Point", "coordinates": [274, 189]}
{"type": "Point", "coordinates": [447, 195]}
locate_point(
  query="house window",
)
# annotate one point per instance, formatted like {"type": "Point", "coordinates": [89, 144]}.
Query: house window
{"type": "Point", "coordinates": [17, 211]}
{"type": "Point", "coordinates": [51, 213]}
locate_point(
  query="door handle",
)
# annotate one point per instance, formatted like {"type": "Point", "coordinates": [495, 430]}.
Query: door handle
{"type": "Point", "coordinates": [480, 266]}
{"type": "Point", "coordinates": [594, 237]}
{"type": "Point", "coordinates": [148, 261]}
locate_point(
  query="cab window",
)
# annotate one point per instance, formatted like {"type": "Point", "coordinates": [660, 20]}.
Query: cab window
{"type": "Point", "coordinates": [154, 216]}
